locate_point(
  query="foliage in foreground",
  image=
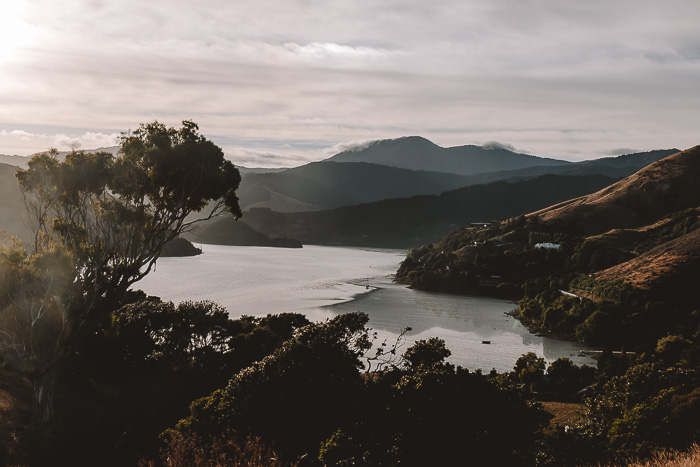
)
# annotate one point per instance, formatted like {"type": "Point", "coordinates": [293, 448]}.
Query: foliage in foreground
{"type": "Point", "coordinates": [311, 397]}
{"type": "Point", "coordinates": [99, 224]}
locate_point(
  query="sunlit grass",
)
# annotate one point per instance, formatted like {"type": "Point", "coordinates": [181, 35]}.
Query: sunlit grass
{"type": "Point", "coordinates": [691, 458]}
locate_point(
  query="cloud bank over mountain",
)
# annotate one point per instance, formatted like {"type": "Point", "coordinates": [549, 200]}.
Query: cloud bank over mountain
{"type": "Point", "coordinates": [571, 80]}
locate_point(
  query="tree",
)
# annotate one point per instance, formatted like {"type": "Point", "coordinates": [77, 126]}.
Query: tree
{"type": "Point", "coordinates": [529, 368]}
{"type": "Point", "coordinates": [297, 396]}
{"type": "Point", "coordinates": [427, 353]}
{"type": "Point", "coordinates": [111, 216]}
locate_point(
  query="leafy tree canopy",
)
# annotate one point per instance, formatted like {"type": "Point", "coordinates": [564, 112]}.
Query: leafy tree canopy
{"type": "Point", "coordinates": [111, 217]}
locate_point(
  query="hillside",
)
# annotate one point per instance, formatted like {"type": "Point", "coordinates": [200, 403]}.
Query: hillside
{"type": "Point", "coordinates": [327, 185]}
{"type": "Point", "coordinates": [228, 231]}
{"type": "Point", "coordinates": [663, 187]}
{"type": "Point", "coordinates": [407, 222]}
{"type": "Point", "coordinates": [672, 266]}
{"type": "Point", "coordinates": [630, 252]}
{"type": "Point", "coordinates": [416, 153]}
{"type": "Point", "coordinates": [178, 247]}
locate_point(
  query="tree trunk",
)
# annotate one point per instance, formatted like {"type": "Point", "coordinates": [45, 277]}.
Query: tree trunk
{"type": "Point", "coordinates": [43, 411]}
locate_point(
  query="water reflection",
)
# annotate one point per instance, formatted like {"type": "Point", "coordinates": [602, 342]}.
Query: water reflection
{"type": "Point", "coordinates": [463, 322]}
{"type": "Point", "coordinates": [322, 282]}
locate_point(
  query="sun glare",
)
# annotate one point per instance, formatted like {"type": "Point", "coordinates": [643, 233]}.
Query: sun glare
{"type": "Point", "coordinates": [15, 32]}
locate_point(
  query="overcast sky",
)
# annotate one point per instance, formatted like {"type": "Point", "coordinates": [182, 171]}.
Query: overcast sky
{"type": "Point", "coordinates": [282, 82]}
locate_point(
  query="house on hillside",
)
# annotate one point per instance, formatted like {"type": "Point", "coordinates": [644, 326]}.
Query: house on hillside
{"type": "Point", "coordinates": [548, 246]}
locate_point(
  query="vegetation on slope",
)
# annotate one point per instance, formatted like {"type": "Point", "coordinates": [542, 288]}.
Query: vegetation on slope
{"type": "Point", "coordinates": [629, 254]}
{"type": "Point", "coordinates": [230, 231]}
{"type": "Point", "coordinates": [180, 247]}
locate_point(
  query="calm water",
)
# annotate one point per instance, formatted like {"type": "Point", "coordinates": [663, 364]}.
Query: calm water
{"type": "Point", "coordinates": [322, 282]}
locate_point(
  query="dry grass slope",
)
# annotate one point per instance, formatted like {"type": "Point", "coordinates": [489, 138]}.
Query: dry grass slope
{"type": "Point", "coordinates": [666, 459]}
{"type": "Point", "coordinates": [667, 185]}
{"type": "Point", "coordinates": [677, 257]}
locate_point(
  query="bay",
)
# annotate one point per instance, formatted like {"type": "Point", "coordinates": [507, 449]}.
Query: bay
{"type": "Point", "coordinates": [322, 282]}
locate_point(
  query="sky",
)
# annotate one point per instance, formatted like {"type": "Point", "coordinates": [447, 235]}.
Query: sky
{"type": "Point", "coordinates": [278, 83]}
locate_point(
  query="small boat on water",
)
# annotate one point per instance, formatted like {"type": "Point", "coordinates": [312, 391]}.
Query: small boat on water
{"type": "Point", "coordinates": [485, 342]}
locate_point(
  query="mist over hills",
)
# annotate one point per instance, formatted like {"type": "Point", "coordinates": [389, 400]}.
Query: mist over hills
{"type": "Point", "coordinates": [21, 161]}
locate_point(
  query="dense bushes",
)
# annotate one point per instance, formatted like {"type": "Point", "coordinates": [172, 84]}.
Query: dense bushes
{"type": "Point", "coordinates": [310, 397]}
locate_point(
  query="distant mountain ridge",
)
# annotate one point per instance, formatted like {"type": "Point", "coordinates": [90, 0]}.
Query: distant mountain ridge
{"type": "Point", "coordinates": [408, 167]}
{"type": "Point", "coordinates": [417, 153]}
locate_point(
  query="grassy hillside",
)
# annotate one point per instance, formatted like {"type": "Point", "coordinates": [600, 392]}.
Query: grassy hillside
{"type": "Point", "coordinates": [672, 266]}
{"type": "Point", "coordinates": [664, 187]}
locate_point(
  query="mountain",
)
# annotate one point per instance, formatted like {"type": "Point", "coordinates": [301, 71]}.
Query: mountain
{"type": "Point", "coordinates": [327, 185]}
{"type": "Point", "coordinates": [416, 153]}
{"type": "Point", "coordinates": [339, 181]}
{"type": "Point", "coordinates": [407, 222]}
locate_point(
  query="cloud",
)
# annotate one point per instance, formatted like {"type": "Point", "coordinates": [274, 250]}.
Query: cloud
{"type": "Point", "coordinates": [563, 79]}
{"type": "Point", "coordinates": [325, 50]}
{"type": "Point", "coordinates": [87, 140]}
{"type": "Point", "coordinates": [24, 142]}
{"type": "Point", "coordinates": [262, 159]}
{"type": "Point", "coordinates": [348, 146]}
{"type": "Point", "coordinates": [21, 134]}
{"type": "Point", "coordinates": [621, 151]}
{"type": "Point", "coordinates": [497, 145]}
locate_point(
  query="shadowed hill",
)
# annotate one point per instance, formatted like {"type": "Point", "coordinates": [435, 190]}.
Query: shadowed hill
{"type": "Point", "coordinates": [327, 185]}
{"type": "Point", "coordinates": [409, 222]}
